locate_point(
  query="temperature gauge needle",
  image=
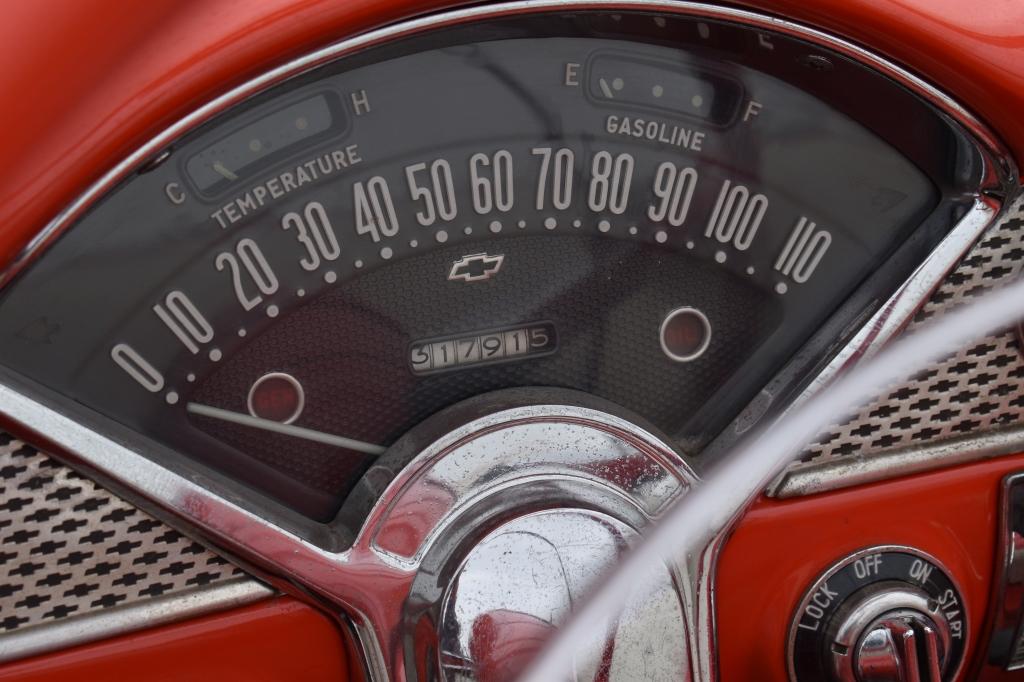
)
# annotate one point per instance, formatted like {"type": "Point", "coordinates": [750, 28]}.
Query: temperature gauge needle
{"type": "Point", "coordinates": [286, 429]}
{"type": "Point", "coordinates": [222, 169]}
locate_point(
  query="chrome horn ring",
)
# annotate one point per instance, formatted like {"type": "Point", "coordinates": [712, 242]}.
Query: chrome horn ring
{"type": "Point", "coordinates": [524, 477]}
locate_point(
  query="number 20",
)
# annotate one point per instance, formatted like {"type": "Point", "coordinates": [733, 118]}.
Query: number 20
{"type": "Point", "coordinates": [248, 257]}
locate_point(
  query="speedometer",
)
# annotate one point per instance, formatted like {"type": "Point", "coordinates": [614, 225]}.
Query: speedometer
{"type": "Point", "coordinates": [665, 214]}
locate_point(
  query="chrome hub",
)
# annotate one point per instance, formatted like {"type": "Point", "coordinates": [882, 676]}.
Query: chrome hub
{"type": "Point", "coordinates": [521, 582]}
{"type": "Point", "coordinates": [507, 522]}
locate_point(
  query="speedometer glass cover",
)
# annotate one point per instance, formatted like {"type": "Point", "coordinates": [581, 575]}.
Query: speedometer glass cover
{"type": "Point", "coordinates": [664, 212]}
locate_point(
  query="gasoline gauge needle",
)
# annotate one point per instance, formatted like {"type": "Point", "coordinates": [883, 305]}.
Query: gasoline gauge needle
{"type": "Point", "coordinates": [286, 429]}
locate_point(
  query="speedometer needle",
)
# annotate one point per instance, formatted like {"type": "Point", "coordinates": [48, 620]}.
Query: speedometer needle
{"type": "Point", "coordinates": [286, 429]}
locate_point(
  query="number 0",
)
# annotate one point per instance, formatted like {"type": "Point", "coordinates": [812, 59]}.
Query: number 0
{"type": "Point", "coordinates": [137, 367]}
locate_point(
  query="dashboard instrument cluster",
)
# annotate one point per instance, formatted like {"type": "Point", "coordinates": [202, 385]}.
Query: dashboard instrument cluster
{"type": "Point", "coordinates": [642, 207]}
{"type": "Point", "coordinates": [465, 287]}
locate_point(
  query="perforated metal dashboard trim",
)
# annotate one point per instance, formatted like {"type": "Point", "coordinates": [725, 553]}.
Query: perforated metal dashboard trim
{"type": "Point", "coordinates": [967, 406]}
{"type": "Point", "coordinates": [70, 550]}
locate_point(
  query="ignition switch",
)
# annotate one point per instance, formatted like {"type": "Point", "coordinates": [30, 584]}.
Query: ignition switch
{"type": "Point", "coordinates": [883, 614]}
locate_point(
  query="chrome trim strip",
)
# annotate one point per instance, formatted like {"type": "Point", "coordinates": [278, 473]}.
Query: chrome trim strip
{"type": "Point", "coordinates": [289, 554]}
{"type": "Point", "coordinates": [115, 621]}
{"type": "Point", "coordinates": [859, 470]}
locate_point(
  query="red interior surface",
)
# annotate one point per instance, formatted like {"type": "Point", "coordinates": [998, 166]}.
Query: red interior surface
{"type": "Point", "coordinates": [277, 639]}
{"type": "Point", "coordinates": [83, 84]}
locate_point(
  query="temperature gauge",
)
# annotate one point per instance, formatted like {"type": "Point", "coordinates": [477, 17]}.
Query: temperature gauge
{"type": "Point", "coordinates": [265, 140]}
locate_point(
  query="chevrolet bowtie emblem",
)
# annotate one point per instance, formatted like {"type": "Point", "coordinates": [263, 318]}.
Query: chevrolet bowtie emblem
{"type": "Point", "coordinates": [475, 267]}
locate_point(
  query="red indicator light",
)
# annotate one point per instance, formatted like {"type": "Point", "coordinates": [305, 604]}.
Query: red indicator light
{"type": "Point", "coordinates": [685, 334]}
{"type": "Point", "coordinates": [277, 397]}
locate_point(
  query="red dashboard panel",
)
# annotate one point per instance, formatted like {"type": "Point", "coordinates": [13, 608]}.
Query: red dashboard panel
{"type": "Point", "coordinates": [279, 639]}
{"type": "Point", "coordinates": [782, 546]}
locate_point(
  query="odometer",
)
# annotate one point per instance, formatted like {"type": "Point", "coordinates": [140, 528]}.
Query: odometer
{"type": "Point", "coordinates": [658, 211]}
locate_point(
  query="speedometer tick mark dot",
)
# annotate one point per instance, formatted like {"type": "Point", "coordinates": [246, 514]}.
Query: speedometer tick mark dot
{"type": "Point", "coordinates": [781, 288]}
{"type": "Point", "coordinates": [495, 226]}
{"type": "Point", "coordinates": [750, 270]}
{"type": "Point", "coordinates": [660, 22]}
{"type": "Point", "coordinates": [242, 332]}
{"type": "Point", "coordinates": [604, 225]}
{"type": "Point", "coordinates": [272, 311]}
{"type": "Point", "coordinates": [300, 293]}
{"type": "Point", "coordinates": [386, 253]}
{"type": "Point", "coordinates": [661, 236]}
{"type": "Point", "coordinates": [190, 378]}
{"type": "Point", "coordinates": [441, 236]}
{"type": "Point", "coordinates": [633, 230]}
{"type": "Point", "coordinates": [720, 256]}
{"type": "Point", "coordinates": [215, 354]}
{"type": "Point", "coordinates": [550, 223]}
{"type": "Point", "coordinates": [171, 397]}
{"type": "Point", "coordinates": [696, 101]}
{"type": "Point", "coordinates": [689, 245]}
{"type": "Point", "coordinates": [331, 276]}
{"type": "Point", "coordinates": [577, 222]}
{"type": "Point", "coordinates": [468, 230]}
{"type": "Point", "coordinates": [521, 224]}
{"type": "Point", "coordinates": [704, 30]}
{"type": "Point", "coordinates": [413, 243]}
{"type": "Point", "coordinates": [358, 263]}
{"type": "Point", "coordinates": [657, 91]}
